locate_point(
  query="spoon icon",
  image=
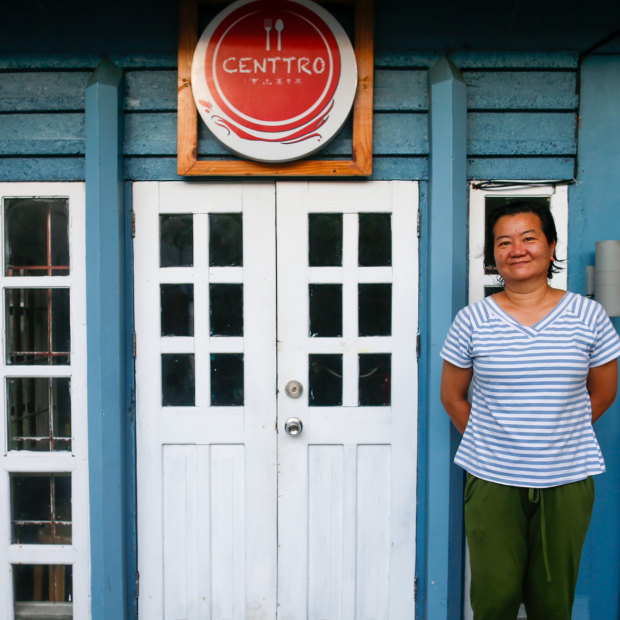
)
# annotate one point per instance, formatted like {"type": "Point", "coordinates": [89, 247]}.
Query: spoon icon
{"type": "Point", "coordinates": [279, 29]}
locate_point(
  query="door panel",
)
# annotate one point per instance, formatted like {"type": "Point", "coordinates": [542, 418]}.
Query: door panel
{"type": "Point", "coordinates": [206, 470]}
{"type": "Point", "coordinates": [237, 518]}
{"type": "Point", "coordinates": [347, 481]}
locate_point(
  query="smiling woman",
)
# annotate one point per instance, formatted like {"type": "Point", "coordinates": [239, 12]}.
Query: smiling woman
{"type": "Point", "coordinates": [522, 242]}
{"type": "Point", "coordinates": [543, 366]}
{"type": "Point", "coordinates": [519, 243]}
{"type": "Point", "coordinates": [542, 222]}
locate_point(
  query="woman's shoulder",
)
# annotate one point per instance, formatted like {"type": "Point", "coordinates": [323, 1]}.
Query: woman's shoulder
{"type": "Point", "coordinates": [583, 307]}
{"type": "Point", "coordinates": [478, 312]}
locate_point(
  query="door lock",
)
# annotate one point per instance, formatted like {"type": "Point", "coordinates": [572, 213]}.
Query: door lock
{"type": "Point", "coordinates": [293, 389]}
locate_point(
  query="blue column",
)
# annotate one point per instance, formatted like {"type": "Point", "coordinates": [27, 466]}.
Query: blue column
{"type": "Point", "coordinates": [594, 209]}
{"type": "Point", "coordinates": [447, 293]}
{"type": "Point", "coordinates": [107, 344]}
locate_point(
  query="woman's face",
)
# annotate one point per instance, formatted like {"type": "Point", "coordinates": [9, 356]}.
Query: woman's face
{"type": "Point", "coordinates": [521, 249]}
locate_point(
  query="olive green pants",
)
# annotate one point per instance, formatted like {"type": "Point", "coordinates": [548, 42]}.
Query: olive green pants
{"type": "Point", "coordinates": [525, 546]}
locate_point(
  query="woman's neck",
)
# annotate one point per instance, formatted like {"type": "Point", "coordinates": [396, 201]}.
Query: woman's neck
{"type": "Point", "coordinates": [528, 294]}
{"type": "Point", "coordinates": [528, 304]}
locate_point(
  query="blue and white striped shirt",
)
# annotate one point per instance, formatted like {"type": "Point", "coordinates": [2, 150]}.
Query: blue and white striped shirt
{"type": "Point", "coordinates": [530, 422]}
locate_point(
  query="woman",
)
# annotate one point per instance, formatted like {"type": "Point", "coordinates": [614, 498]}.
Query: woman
{"type": "Point", "coordinates": [542, 364]}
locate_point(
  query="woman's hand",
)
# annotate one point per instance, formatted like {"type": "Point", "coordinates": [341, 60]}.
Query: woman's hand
{"type": "Point", "coordinates": [602, 385]}
{"type": "Point", "coordinates": [454, 387]}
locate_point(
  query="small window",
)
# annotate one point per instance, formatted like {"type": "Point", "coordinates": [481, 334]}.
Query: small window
{"type": "Point", "coordinates": [43, 409]}
{"type": "Point", "coordinates": [483, 281]}
{"type": "Point", "coordinates": [40, 509]}
{"type": "Point", "coordinates": [43, 591]}
{"type": "Point", "coordinates": [39, 413]}
{"type": "Point", "coordinates": [36, 237]}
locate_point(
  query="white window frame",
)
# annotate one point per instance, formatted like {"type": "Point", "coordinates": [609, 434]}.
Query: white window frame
{"type": "Point", "coordinates": [558, 195]}
{"type": "Point", "coordinates": [74, 462]}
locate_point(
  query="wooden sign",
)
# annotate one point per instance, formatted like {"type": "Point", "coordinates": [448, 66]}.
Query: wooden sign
{"type": "Point", "coordinates": [289, 123]}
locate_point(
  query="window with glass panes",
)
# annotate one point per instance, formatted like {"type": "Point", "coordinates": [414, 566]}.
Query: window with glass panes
{"type": "Point", "coordinates": [44, 475]}
{"type": "Point", "coordinates": [483, 279]}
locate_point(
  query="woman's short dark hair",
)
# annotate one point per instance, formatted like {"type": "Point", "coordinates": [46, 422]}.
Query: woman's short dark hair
{"type": "Point", "coordinates": [513, 208]}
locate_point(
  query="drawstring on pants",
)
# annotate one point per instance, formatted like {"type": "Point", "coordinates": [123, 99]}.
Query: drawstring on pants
{"type": "Point", "coordinates": [536, 496]}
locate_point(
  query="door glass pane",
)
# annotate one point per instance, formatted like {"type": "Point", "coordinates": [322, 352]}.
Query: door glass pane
{"type": "Point", "coordinates": [227, 379]}
{"type": "Point", "coordinates": [375, 379]}
{"type": "Point", "coordinates": [375, 239]}
{"type": "Point", "coordinates": [325, 239]}
{"type": "Point", "coordinates": [36, 237]}
{"type": "Point", "coordinates": [177, 309]}
{"type": "Point", "coordinates": [325, 310]}
{"type": "Point", "coordinates": [39, 413]}
{"type": "Point", "coordinates": [43, 591]}
{"type": "Point", "coordinates": [325, 380]}
{"type": "Point", "coordinates": [226, 309]}
{"type": "Point", "coordinates": [176, 240]}
{"type": "Point", "coordinates": [178, 379]}
{"type": "Point", "coordinates": [41, 508]}
{"type": "Point", "coordinates": [375, 309]}
{"type": "Point", "coordinates": [37, 325]}
{"type": "Point", "coordinates": [225, 240]}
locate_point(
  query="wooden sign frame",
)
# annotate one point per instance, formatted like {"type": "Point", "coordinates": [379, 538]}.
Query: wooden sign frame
{"type": "Point", "coordinates": [360, 163]}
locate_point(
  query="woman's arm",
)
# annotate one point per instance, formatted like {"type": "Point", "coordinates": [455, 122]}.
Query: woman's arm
{"type": "Point", "coordinates": [454, 387]}
{"type": "Point", "coordinates": [602, 384]}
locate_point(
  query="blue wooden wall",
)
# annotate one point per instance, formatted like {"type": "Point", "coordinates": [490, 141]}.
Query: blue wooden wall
{"type": "Point", "coordinates": [594, 215]}
{"type": "Point", "coordinates": [521, 118]}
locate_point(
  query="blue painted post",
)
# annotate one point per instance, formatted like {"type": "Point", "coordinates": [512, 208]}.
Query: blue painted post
{"type": "Point", "coordinates": [447, 294]}
{"type": "Point", "coordinates": [594, 208]}
{"type": "Point", "coordinates": [105, 289]}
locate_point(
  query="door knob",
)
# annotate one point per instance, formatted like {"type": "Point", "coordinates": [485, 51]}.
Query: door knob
{"type": "Point", "coordinates": [293, 426]}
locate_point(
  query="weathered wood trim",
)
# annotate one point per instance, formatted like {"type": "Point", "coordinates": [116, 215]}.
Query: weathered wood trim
{"type": "Point", "coordinates": [360, 163]}
{"type": "Point", "coordinates": [447, 273]}
{"type": "Point", "coordinates": [187, 114]}
{"type": "Point", "coordinates": [400, 90]}
{"type": "Point", "coordinates": [478, 60]}
{"type": "Point", "coordinates": [384, 60]}
{"type": "Point", "coordinates": [111, 551]}
{"type": "Point", "coordinates": [153, 134]}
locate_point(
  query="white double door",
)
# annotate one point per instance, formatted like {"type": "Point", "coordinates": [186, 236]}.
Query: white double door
{"type": "Point", "coordinates": [263, 307]}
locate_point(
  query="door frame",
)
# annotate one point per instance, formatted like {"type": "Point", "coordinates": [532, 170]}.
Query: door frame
{"type": "Point", "coordinates": [403, 191]}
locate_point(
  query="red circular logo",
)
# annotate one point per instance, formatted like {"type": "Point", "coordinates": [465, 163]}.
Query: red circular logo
{"type": "Point", "coordinates": [267, 44]}
{"type": "Point", "coordinates": [271, 71]}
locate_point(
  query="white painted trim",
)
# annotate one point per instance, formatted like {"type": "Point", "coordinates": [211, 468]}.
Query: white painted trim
{"type": "Point", "coordinates": [558, 195]}
{"type": "Point", "coordinates": [76, 461]}
{"type": "Point", "coordinates": [182, 451]}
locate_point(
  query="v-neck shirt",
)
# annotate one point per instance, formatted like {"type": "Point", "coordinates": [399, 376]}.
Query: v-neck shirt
{"type": "Point", "coordinates": [531, 418]}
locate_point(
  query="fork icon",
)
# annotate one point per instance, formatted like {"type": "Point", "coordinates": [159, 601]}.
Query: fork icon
{"type": "Point", "coordinates": [268, 24]}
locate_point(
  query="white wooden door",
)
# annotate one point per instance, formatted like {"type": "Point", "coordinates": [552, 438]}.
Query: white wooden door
{"type": "Point", "coordinates": [237, 518]}
{"type": "Point", "coordinates": [206, 455]}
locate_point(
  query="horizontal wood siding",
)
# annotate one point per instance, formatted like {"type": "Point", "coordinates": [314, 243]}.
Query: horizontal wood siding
{"type": "Point", "coordinates": [42, 134]}
{"type": "Point", "coordinates": [521, 120]}
{"type": "Point", "coordinates": [56, 91]}
{"type": "Point", "coordinates": [521, 123]}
